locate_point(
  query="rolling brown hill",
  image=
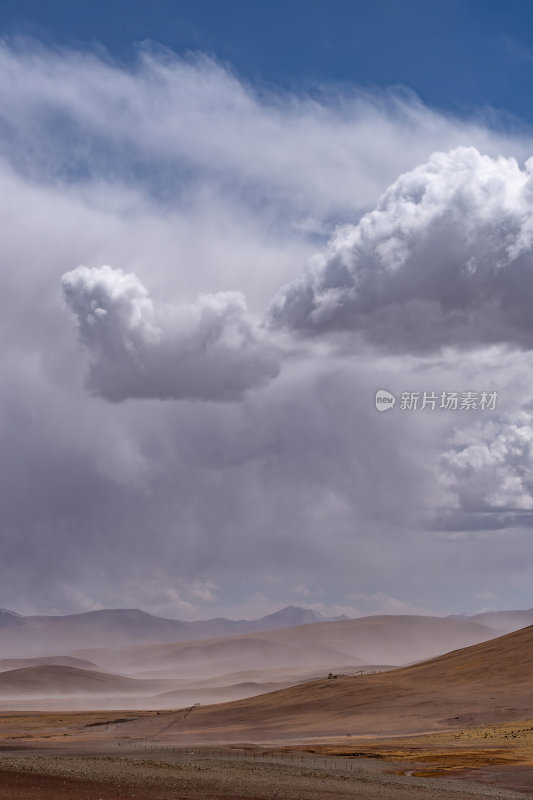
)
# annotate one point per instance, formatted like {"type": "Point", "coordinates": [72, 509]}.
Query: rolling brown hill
{"type": "Point", "coordinates": [484, 683]}
{"type": "Point", "coordinates": [389, 640]}
{"type": "Point", "coordinates": [218, 694]}
{"type": "Point", "coordinates": [229, 668]}
{"type": "Point", "coordinates": [49, 681]}
{"type": "Point", "coordinates": [62, 661]}
{"type": "Point", "coordinates": [56, 680]}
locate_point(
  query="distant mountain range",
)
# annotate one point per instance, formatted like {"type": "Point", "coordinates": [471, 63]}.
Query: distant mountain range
{"type": "Point", "coordinates": [39, 635]}
{"type": "Point", "coordinates": [23, 636]}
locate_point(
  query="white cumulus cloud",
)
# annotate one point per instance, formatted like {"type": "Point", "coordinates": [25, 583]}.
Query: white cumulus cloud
{"type": "Point", "coordinates": [445, 258]}
{"type": "Point", "coordinates": [491, 466]}
{"type": "Point", "coordinates": [209, 350]}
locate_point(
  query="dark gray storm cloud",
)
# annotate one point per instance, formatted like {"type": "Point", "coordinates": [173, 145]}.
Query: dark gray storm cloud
{"type": "Point", "coordinates": [445, 258]}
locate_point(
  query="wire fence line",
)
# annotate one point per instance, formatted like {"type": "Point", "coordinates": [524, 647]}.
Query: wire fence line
{"type": "Point", "coordinates": [257, 755]}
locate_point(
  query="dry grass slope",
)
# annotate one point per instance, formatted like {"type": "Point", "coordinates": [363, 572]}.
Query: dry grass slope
{"type": "Point", "coordinates": [482, 684]}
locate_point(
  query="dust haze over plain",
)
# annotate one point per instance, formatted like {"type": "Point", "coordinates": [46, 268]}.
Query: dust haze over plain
{"type": "Point", "coordinates": [204, 286]}
{"type": "Point", "coordinates": [126, 659]}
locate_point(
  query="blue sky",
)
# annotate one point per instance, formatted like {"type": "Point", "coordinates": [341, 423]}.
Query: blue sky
{"type": "Point", "coordinates": [460, 55]}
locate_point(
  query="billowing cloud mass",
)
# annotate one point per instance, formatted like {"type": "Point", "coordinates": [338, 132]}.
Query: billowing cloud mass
{"type": "Point", "coordinates": [445, 258]}
{"type": "Point", "coordinates": [208, 350]}
{"type": "Point", "coordinates": [491, 466]}
{"type": "Point", "coordinates": [201, 189]}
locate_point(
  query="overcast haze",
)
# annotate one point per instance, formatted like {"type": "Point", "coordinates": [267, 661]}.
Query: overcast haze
{"type": "Point", "coordinates": [205, 280]}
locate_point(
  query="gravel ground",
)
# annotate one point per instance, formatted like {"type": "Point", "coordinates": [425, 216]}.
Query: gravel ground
{"type": "Point", "coordinates": [187, 775]}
